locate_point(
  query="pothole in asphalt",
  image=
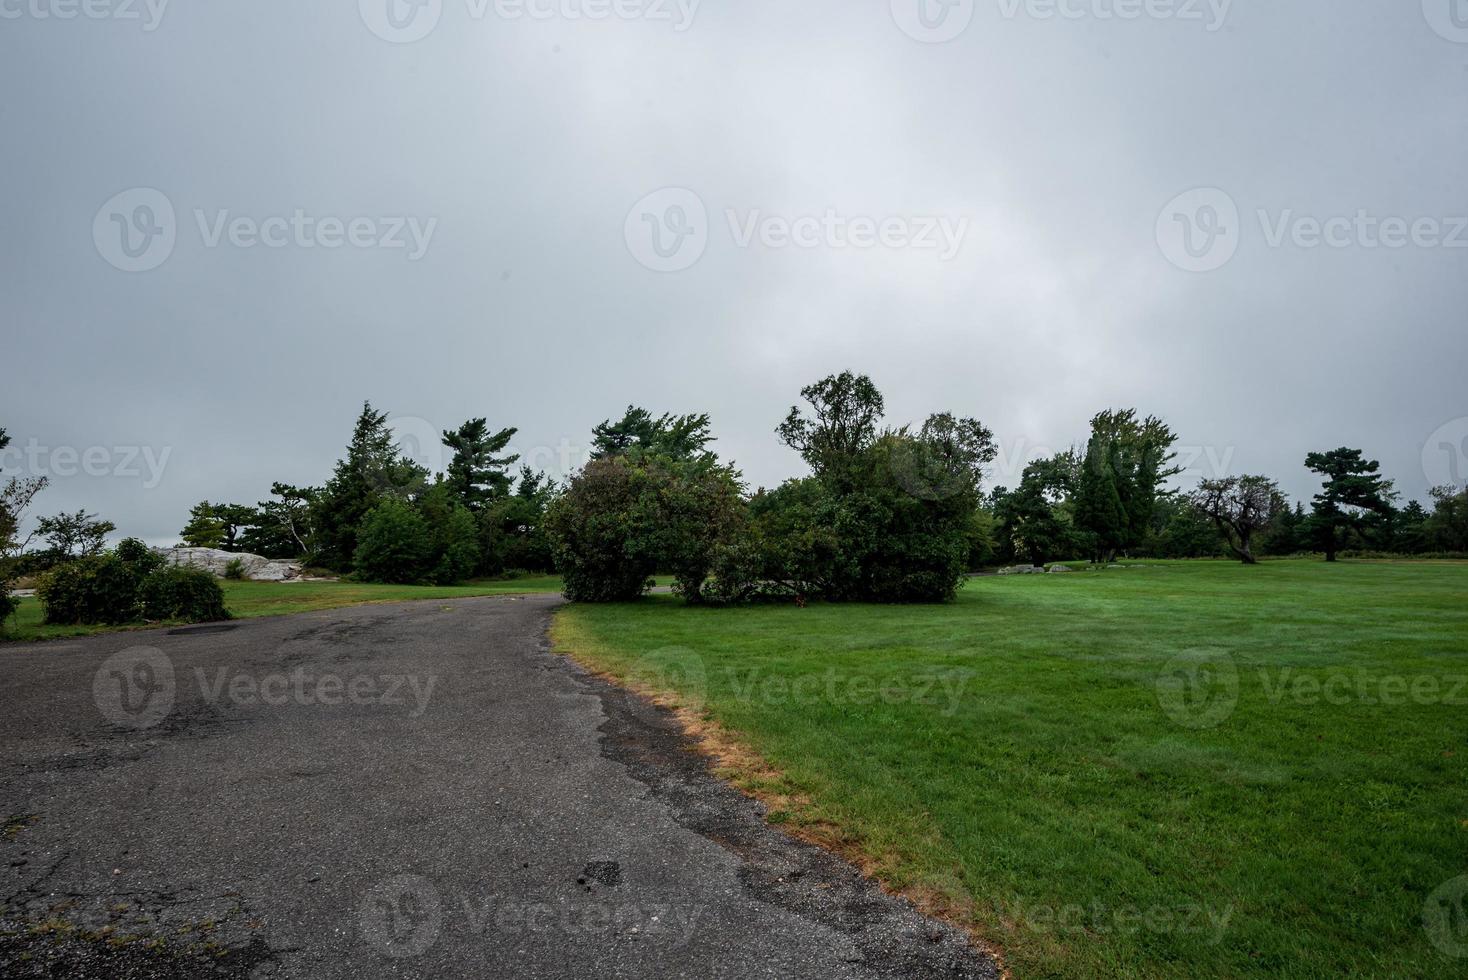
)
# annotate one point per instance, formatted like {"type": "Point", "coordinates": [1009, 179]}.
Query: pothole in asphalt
{"type": "Point", "coordinates": [607, 873]}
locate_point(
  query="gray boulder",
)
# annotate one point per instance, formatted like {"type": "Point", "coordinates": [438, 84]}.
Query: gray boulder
{"type": "Point", "coordinates": [214, 562]}
{"type": "Point", "coordinates": [1022, 570]}
{"type": "Point", "coordinates": [1060, 568]}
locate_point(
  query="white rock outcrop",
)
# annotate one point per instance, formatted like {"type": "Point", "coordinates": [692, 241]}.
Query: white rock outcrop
{"type": "Point", "coordinates": [214, 562]}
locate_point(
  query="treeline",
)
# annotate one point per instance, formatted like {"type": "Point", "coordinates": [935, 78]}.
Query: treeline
{"type": "Point", "coordinates": [885, 514]}
{"type": "Point", "coordinates": [1104, 501]}
{"type": "Point", "coordinates": [384, 518]}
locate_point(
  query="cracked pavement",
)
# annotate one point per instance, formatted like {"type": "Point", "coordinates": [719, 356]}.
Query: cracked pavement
{"type": "Point", "coordinates": [416, 790]}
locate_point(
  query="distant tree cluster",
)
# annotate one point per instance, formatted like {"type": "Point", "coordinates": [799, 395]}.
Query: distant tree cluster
{"type": "Point", "coordinates": [384, 518]}
{"type": "Point", "coordinates": [886, 515]}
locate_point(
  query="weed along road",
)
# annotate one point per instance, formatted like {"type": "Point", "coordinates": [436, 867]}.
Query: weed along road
{"type": "Point", "coordinates": [421, 789]}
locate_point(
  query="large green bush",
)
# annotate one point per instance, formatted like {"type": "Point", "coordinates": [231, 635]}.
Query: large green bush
{"type": "Point", "coordinates": [101, 589]}
{"type": "Point", "coordinates": [605, 528]}
{"type": "Point", "coordinates": [394, 545]}
{"type": "Point", "coordinates": [180, 593]}
{"type": "Point", "coordinates": [120, 586]}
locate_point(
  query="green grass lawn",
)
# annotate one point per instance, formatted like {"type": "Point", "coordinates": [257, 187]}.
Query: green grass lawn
{"type": "Point", "coordinates": [1188, 769]}
{"type": "Point", "coordinates": [249, 599]}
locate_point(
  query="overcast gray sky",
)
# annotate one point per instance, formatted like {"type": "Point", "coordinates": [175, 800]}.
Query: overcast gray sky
{"type": "Point", "coordinates": [223, 226]}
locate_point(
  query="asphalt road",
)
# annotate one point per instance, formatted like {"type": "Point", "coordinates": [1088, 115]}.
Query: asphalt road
{"type": "Point", "coordinates": [417, 790]}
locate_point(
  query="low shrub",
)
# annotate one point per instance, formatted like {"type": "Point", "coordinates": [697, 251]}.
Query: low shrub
{"type": "Point", "coordinates": [180, 593]}
{"type": "Point", "coordinates": [98, 590]}
{"type": "Point", "coordinates": [234, 569]}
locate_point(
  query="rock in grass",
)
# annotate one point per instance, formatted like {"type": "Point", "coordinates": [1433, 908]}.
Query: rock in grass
{"type": "Point", "coordinates": [214, 561]}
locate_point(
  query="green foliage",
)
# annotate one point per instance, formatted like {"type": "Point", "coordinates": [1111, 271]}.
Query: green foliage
{"type": "Point", "coordinates": [1354, 498]}
{"type": "Point", "coordinates": [285, 525]}
{"type": "Point", "coordinates": [699, 508]}
{"type": "Point", "coordinates": [16, 494]}
{"type": "Point", "coordinates": [605, 529]}
{"type": "Point", "coordinates": [182, 594]}
{"type": "Point", "coordinates": [476, 475]}
{"type": "Point", "coordinates": [453, 536]}
{"type": "Point", "coordinates": [8, 603]}
{"type": "Point", "coordinates": [512, 531]}
{"type": "Point", "coordinates": [139, 556]}
{"type": "Point", "coordinates": [373, 471]}
{"type": "Point", "coordinates": [394, 546]}
{"type": "Point", "coordinates": [96, 589]}
{"type": "Point", "coordinates": [1180, 530]}
{"type": "Point", "coordinates": [75, 535]}
{"type": "Point", "coordinates": [845, 410]}
{"type": "Point", "coordinates": [1034, 519]}
{"type": "Point", "coordinates": [638, 434]}
{"type": "Point", "coordinates": [203, 530]}
{"type": "Point", "coordinates": [1447, 528]}
{"type": "Point", "coordinates": [1121, 479]}
{"type": "Point", "coordinates": [234, 569]}
{"type": "Point", "coordinates": [886, 516]}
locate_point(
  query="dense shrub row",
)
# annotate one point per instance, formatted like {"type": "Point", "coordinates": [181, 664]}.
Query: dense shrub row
{"type": "Point", "coordinates": [886, 515]}
{"type": "Point", "coordinates": [125, 585]}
